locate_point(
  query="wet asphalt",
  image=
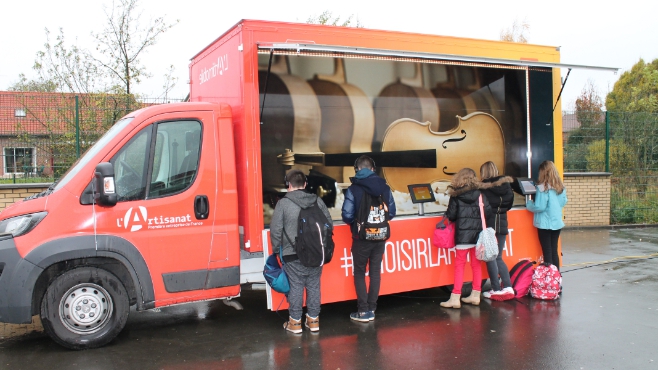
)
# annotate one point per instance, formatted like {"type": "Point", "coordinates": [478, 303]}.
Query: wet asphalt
{"type": "Point", "coordinates": [607, 318]}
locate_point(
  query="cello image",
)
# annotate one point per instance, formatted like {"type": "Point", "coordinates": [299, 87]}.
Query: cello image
{"type": "Point", "coordinates": [291, 119]}
{"type": "Point", "coordinates": [347, 118]}
{"type": "Point", "coordinates": [405, 98]}
{"type": "Point", "coordinates": [478, 138]}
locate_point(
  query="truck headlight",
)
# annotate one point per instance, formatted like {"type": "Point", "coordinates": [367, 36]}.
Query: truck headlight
{"type": "Point", "coordinates": [20, 225]}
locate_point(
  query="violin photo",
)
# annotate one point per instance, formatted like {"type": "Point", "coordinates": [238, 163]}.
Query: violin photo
{"type": "Point", "coordinates": [420, 121]}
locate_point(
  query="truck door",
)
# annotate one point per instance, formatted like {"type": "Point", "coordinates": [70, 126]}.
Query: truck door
{"type": "Point", "coordinates": [166, 186]}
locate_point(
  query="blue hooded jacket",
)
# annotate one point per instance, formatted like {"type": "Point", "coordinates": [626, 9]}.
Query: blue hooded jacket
{"type": "Point", "coordinates": [368, 181]}
{"type": "Point", "coordinates": [547, 208]}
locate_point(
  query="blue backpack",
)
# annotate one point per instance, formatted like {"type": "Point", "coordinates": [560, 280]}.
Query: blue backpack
{"type": "Point", "coordinates": [275, 276]}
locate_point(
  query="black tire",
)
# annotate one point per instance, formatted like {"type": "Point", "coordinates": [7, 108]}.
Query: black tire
{"type": "Point", "coordinates": [84, 308]}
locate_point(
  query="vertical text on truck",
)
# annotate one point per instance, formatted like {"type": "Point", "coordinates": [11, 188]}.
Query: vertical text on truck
{"type": "Point", "coordinates": [172, 204]}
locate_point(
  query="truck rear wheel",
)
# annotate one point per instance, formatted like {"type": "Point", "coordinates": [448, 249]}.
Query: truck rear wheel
{"type": "Point", "coordinates": [84, 308]}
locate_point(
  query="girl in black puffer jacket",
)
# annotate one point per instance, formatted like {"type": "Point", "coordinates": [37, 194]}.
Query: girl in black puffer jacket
{"type": "Point", "coordinates": [501, 199]}
{"type": "Point", "coordinates": [464, 210]}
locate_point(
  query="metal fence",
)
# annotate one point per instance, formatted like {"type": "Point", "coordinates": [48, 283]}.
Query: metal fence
{"type": "Point", "coordinates": [43, 134]}
{"type": "Point", "coordinates": [624, 144]}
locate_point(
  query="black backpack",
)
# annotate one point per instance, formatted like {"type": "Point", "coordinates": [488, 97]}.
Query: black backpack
{"type": "Point", "coordinates": [372, 218]}
{"type": "Point", "coordinates": [314, 243]}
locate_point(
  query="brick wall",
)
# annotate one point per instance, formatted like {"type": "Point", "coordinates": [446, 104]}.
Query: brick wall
{"type": "Point", "coordinates": [11, 193]}
{"type": "Point", "coordinates": [589, 199]}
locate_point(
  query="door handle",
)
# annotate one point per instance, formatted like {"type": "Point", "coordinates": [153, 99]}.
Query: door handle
{"type": "Point", "coordinates": [201, 207]}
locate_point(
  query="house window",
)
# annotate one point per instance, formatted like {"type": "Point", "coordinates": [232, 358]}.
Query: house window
{"type": "Point", "coordinates": [20, 113]}
{"type": "Point", "coordinates": [19, 160]}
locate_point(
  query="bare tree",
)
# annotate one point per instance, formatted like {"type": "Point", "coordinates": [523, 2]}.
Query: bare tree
{"type": "Point", "coordinates": [517, 33]}
{"type": "Point", "coordinates": [169, 82]}
{"type": "Point", "coordinates": [123, 41]}
{"type": "Point", "coordinates": [66, 67]}
{"type": "Point", "coordinates": [327, 18]}
{"type": "Point", "coordinates": [113, 68]}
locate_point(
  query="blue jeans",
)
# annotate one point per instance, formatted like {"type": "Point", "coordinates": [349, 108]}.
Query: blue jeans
{"type": "Point", "coordinates": [498, 267]}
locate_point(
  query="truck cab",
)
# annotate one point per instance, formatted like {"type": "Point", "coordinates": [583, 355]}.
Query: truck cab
{"type": "Point", "coordinates": [147, 217]}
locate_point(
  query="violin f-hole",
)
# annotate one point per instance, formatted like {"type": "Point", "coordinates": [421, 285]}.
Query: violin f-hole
{"type": "Point", "coordinates": [443, 144]}
{"type": "Point", "coordinates": [448, 173]}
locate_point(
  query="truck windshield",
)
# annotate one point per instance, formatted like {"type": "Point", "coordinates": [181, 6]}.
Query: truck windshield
{"type": "Point", "coordinates": [101, 143]}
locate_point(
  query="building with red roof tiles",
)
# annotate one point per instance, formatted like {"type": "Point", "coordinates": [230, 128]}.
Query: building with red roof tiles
{"type": "Point", "coordinates": [43, 133]}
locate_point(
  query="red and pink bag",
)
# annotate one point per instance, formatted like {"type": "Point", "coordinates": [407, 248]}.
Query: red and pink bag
{"type": "Point", "coordinates": [521, 277]}
{"type": "Point", "coordinates": [546, 282]}
{"type": "Point", "coordinates": [444, 234]}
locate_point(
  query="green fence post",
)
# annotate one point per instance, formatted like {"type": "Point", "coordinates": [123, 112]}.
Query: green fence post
{"type": "Point", "coordinates": [77, 127]}
{"type": "Point", "coordinates": [607, 141]}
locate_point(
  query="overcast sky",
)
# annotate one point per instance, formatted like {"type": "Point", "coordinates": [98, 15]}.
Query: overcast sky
{"type": "Point", "coordinates": [611, 34]}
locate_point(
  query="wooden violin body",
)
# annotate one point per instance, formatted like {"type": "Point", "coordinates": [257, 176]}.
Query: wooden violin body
{"type": "Point", "coordinates": [478, 138]}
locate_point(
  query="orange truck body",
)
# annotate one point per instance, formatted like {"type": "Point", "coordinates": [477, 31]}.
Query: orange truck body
{"type": "Point", "coordinates": [171, 240]}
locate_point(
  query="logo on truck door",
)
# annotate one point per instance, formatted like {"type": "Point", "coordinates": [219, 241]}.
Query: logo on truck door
{"type": "Point", "coordinates": [136, 219]}
{"type": "Point", "coordinates": [133, 221]}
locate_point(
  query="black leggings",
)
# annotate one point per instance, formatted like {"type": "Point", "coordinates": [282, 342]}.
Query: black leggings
{"type": "Point", "coordinates": [548, 240]}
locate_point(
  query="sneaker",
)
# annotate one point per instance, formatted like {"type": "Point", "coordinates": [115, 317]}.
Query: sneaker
{"type": "Point", "coordinates": [503, 295]}
{"type": "Point", "coordinates": [372, 315]}
{"type": "Point", "coordinates": [360, 316]}
{"type": "Point", "coordinates": [488, 294]}
{"type": "Point", "coordinates": [312, 323]}
{"type": "Point", "coordinates": [293, 326]}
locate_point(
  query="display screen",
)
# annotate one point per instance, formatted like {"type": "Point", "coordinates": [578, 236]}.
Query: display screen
{"type": "Point", "coordinates": [527, 186]}
{"type": "Point", "coordinates": [421, 193]}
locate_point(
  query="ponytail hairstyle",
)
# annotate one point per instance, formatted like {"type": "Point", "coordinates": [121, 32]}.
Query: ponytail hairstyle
{"type": "Point", "coordinates": [549, 177]}
{"type": "Point", "coordinates": [488, 170]}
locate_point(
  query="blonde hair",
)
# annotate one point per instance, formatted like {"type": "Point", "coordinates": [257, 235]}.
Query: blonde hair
{"type": "Point", "coordinates": [549, 177]}
{"type": "Point", "coordinates": [464, 177]}
{"type": "Point", "coordinates": [488, 170]}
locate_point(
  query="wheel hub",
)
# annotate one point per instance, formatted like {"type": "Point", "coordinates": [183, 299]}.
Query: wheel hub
{"type": "Point", "coordinates": [85, 308]}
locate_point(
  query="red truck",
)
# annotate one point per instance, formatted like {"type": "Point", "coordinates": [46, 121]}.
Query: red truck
{"type": "Point", "coordinates": [172, 204]}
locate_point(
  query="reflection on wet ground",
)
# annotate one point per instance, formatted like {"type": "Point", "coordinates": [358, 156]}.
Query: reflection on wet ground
{"type": "Point", "coordinates": [605, 319]}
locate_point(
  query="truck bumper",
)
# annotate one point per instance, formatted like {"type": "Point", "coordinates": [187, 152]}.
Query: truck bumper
{"type": "Point", "coordinates": [17, 279]}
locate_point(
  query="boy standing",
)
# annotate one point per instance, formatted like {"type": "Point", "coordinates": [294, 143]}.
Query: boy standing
{"type": "Point", "coordinates": [283, 231]}
{"type": "Point", "coordinates": [366, 252]}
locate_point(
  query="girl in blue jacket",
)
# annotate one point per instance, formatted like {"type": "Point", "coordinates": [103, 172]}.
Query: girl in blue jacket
{"type": "Point", "coordinates": [549, 200]}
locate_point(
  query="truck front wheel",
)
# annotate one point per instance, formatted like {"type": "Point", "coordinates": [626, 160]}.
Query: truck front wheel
{"type": "Point", "coordinates": [84, 308]}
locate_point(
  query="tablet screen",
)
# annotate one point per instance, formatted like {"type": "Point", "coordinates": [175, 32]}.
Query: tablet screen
{"type": "Point", "coordinates": [527, 186]}
{"type": "Point", "coordinates": [421, 193]}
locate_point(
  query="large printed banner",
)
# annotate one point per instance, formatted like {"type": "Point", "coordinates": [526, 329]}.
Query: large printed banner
{"type": "Point", "coordinates": [411, 262]}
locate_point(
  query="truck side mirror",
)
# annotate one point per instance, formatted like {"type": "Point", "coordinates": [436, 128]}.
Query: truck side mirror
{"type": "Point", "coordinates": [105, 190]}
